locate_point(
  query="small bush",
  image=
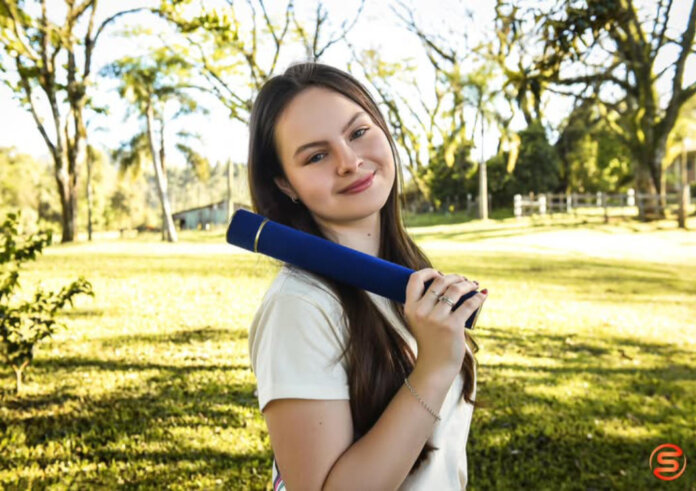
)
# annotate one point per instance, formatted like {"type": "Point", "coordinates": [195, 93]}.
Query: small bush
{"type": "Point", "coordinates": [24, 323]}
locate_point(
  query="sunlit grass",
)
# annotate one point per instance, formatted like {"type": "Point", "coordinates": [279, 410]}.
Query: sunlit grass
{"type": "Point", "coordinates": [587, 360]}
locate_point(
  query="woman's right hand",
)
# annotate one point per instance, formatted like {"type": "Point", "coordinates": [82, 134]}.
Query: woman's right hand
{"type": "Point", "coordinates": [438, 330]}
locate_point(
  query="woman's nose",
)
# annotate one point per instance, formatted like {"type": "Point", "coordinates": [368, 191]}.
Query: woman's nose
{"type": "Point", "coordinates": [348, 160]}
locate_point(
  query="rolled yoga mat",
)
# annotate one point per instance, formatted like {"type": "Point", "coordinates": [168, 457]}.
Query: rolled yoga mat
{"type": "Point", "coordinates": [258, 234]}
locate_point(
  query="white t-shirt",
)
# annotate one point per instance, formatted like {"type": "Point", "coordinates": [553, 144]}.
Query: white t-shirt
{"type": "Point", "coordinates": [295, 345]}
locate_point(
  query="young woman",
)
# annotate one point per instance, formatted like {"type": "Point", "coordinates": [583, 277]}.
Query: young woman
{"type": "Point", "coordinates": [358, 392]}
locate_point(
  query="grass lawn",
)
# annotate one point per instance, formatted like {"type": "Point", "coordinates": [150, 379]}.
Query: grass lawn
{"type": "Point", "coordinates": [587, 360]}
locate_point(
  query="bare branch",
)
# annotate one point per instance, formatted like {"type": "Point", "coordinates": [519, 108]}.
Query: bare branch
{"type": "Point", "coordinates": [109, 20]}
{"type": "Point", "coordinates": [89, 43]}
{"type": "Point", "coordinates": [344, 31]}
{"type": "Point", "coordinates": [28, 92]}
{"type": "Point", "coordinates": [598, 77]}
{"type": "Point", "coordinates": [686, 45]}
{"type": "Point", "coordinates": [320, 19]}
{"type": "Point", "coordinates": [43, 37]}
{"type": "Point", "coordinates": [210, 73]}
{"type": "Point", "coordinates": [254, 35]}
{"type": "Point", "coordinates": [687, 94]}
{"type": "Point", "coordinates": [250, 57]}
{"type": "Point", "coordinates": [279, 41]}
{"type": "Point", "coordinates": [411, 26]}
{"type": "Point", "coordinates": [301, 31]}
{"type": "Point", "coordinates": [661, 37]}
{"type": "Point", "coordinates": [79, 10]}
{"type": "Point", "coordinates": [269, 24]}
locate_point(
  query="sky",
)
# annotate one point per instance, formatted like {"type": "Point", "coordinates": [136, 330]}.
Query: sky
{"type": "Point", "coordinates": [224, 139]}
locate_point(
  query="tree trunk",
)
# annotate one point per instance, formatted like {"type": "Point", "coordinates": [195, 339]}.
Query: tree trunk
{"type": "Point", "coordinates": [161, 179]}
{"type": "Point", "coordinates": [165, 233]}
{"type": "Point", "coordinates": [19, 370]}
{"type": "Point", "coordinates": [18, 386]}
{"type": "Point", "coordinates": [649, 178]}
{"type": "Point", "coordinates": [89, 195]}
{"type": "Point", "coordinates": [657, 174]}
{"type": "Point", "coordinates": [230, 203]}
{"type": "Point", "coordinates": [483, 181]}
{"type": "Point", "coordinates": [683, 190]}
{"type": "Point", "coordinates": [68, 201]}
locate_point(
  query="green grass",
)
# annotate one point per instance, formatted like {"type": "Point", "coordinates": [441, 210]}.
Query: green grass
{"type": "Point", "coordinates": [587, 360]}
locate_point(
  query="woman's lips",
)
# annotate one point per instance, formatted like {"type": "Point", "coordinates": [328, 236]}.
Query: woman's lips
{"type": "Point", "coordinates": [360, 185]}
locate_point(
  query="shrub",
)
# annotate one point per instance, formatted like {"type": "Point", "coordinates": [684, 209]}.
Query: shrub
{"type": "Point", "coordinates": [24, 323]}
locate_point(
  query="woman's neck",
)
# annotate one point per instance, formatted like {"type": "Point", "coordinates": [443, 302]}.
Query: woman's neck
{"type": "Point", "coordinates": [362, 235]}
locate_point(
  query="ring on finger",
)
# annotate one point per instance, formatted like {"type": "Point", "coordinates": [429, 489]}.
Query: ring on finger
{"type": "Point", "coordinates": [447, 300]}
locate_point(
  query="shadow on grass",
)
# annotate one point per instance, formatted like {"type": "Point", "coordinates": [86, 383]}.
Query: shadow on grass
{"type": "Point", "coordinates": [584, 414]}
{"type": "Point", "coordinates": [180, 337]}
{"type": "Point", "coordinates": [478, 234]}
{"type": "Point", "coordinates": [178, 426]}
{"type": "Point", "coordinates": [618, 278]}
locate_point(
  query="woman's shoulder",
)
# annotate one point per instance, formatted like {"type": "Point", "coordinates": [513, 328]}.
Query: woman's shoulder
{"type": "Point", "coordinates": [298, 307]}
{"type": "Point", "coordinates": [293, 283]}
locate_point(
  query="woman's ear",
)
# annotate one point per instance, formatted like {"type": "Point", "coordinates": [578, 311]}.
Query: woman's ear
{"type": "Point", "coordinates": [285, 187]}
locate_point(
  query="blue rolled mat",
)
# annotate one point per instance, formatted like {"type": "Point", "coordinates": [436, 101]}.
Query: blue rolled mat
{"type": "Point", "coordinates": [256, 233]}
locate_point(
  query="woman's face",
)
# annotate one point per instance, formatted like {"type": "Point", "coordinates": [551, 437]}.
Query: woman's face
{"type": "Point", "coordinates": [327, 144]}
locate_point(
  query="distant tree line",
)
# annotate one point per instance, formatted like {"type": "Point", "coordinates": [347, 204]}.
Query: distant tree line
{"type": "Point", "coordinates": [599, 55]}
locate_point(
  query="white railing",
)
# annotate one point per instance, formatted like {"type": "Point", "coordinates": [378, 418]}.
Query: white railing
{"type": "Point", "coordinates": [548, 203]}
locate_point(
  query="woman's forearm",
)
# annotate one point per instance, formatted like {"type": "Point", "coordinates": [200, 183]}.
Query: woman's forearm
{"type": "Point", "coordinates": [382, 458]}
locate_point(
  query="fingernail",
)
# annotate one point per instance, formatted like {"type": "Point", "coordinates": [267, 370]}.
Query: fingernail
{"type": "Point", "coordinates": [485, 291]}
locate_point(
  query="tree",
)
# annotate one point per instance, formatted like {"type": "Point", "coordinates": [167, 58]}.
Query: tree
{"type": "Point", "coordinates": [237, 48]}
{"type": "Point", "coordinates": [150, 85]}
{"type": "Point", "coordinates": [55, 60]}
{"type": "Point", "coordinates": [24, 323]}
{"type": "Point", "coordinates": [482, 95]}
{"type": "Point", "coordinates": [515, 56]}
{"type": "Point", "coordinates": [607, 51]}
{"type": "Point", "coordinates": [26, 186]}
{"type": "Point", "coordinates": [592, 157]}
{"type": "Point", "coordinates": [537, 167]}
{"type": "Point", "coordinates": [429, 126]}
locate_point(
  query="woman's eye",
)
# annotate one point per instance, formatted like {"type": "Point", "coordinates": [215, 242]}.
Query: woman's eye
{"type": "Point", "coordinates": [316, 158]}
{"type": "Point", "coordinates": [359, 132]}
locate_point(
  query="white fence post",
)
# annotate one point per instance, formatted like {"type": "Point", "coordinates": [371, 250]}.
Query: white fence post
{"type": "Point", "coordinates": [518, 205]}
{"type": "Point", "coordinates": [631, 197]}
{"type": "Point", "coordinates": [542, 204]}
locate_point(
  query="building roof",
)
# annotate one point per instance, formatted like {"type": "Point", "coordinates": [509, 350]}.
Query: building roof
{"type": "Point", "coordinates": [211, 205]}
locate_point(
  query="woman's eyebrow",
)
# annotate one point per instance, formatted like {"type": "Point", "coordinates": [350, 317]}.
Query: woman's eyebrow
{"type": "Point", "coordinates": [323, 142]}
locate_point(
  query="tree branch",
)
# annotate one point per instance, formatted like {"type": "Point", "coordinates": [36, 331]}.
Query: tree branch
{"type": "Point", "coordinates": [27, 90]}
{"type": "Point", "coordinates": [79, 10]}
{"type": "Point", "coordinates": [343, 33]}
{"type": "Point", "coordinates": [686, 44]}
{"type": "Point", "coordinates": [89, 43]}
{"type": "Point", "coordinates": [411, 26]}
{"type": "Point", "coordinates": [687, 94]}
{"type": "Point", "coordinates": [661, 36]}
{"type": "Point", "coordinates": [26, 45]}
{"type": "Point", "coordinates": [116, 16]}
{"type": "Point", "coordinates": [277, 40]}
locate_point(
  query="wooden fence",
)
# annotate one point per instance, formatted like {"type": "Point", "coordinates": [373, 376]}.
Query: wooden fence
{"type": "Point", "coordinates": [547, 203]}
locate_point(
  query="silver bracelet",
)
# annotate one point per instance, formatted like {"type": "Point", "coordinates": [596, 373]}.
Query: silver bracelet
{"type": "Point", "coordinates": [423, 403]}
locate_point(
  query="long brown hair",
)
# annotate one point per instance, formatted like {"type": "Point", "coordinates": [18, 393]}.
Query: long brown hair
{"type": "Point", "coordinates": [378, 358]}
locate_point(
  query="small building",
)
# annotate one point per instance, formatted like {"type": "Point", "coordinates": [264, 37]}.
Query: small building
{"type": "Point", "coordinates": [203, 217]}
